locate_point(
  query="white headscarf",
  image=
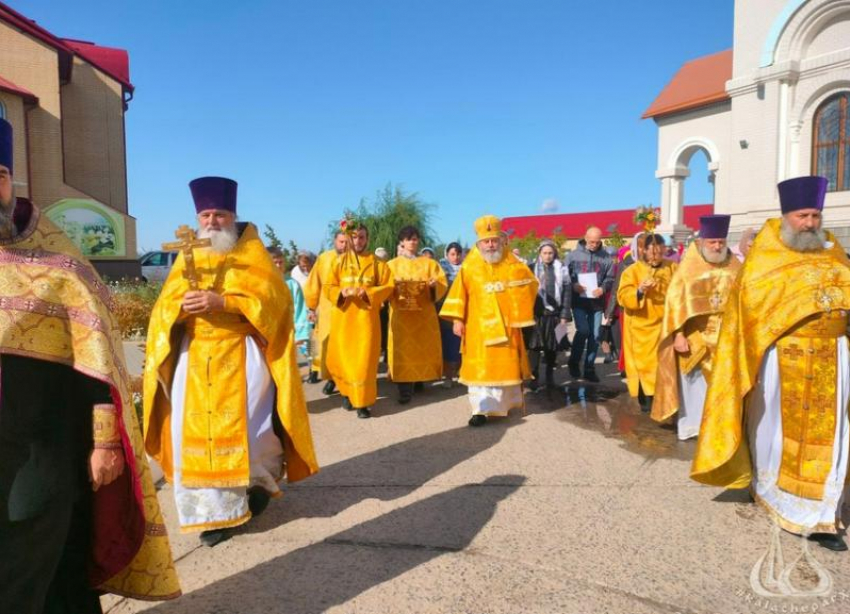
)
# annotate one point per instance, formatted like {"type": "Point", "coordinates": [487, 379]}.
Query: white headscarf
{"type": "Point", "coordinates": [540, 273]}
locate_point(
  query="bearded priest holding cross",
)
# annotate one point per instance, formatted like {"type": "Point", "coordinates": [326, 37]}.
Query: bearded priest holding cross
{"type": "Point", "coordinates": [225, 414]}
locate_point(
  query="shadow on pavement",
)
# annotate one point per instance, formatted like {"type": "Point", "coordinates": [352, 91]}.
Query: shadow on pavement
{"type": "Point", "coordinates": [386, 404]}
{"type": "Point", "coordinates": [385, 474]}
{"type": "Point", "coordinates": [334, 571]}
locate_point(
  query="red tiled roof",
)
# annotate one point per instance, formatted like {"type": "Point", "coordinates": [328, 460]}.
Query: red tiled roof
{"type": "Point", "coordinates": [17, 90]}
{"type": "Point", "coordinates": [698, 83]}
{"type": "Point", "coordinates": [111, 61]}
{"type": "Point", "coordinates": [574, 225]}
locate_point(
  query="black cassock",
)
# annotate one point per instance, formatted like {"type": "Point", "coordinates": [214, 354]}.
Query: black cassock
{"type": "Point", "coordinates": [45, 493]}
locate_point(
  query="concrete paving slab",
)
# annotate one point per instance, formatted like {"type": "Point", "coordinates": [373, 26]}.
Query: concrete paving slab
{"type": "Point", "coordinates": [582, 505]}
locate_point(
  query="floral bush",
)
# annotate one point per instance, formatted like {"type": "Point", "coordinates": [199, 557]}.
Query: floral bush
{"type": "Point", "coordinates": [133, 303]}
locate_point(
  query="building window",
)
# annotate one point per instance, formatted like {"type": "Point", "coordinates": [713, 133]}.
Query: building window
{"type": "Point", "coordinates": [2, 110]}
{"type": "Point", "coordinates": [831, 157]}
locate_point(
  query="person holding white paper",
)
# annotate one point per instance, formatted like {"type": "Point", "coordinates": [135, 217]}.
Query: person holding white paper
{"type": "Point", "coordinates": [588, 263]}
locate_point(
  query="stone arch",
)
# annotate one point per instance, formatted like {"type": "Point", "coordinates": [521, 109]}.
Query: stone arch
{"type": "Point", "coordinates": [678, 170]}
{"type": "Point", "coordinates": [796, 27]}
{"type": "Point", "coordinates": [768, 52]}
{"type": "Point", "coordinates": [681, 156]}
{"type": "Point", "coordinates": [802, 125]}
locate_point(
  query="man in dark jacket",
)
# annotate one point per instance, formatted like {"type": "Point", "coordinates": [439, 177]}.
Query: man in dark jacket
{"type": "Point", "coordinates": [588, 302]}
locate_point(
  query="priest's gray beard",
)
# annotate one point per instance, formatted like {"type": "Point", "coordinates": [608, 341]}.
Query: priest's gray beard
{"type": "Point", "coordinates": [7, 222]}
{"type": "Point", "coordinates": [495, 256]}
{"type": "Point", "coordinates": [802, 240]}
{"type": "Point", "coordinates": [223, 241]}
{"type": "Point", "coordinates": [714, 257]}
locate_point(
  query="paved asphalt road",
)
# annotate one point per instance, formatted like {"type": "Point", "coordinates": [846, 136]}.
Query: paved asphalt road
{"type": "Point", "coordinates": [583, 505]}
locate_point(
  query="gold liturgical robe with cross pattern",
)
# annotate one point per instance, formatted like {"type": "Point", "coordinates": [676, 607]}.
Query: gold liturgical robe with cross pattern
{"type": "Point", "coordinates": [693, 306]}
{"type": "Point", "coordinates": [414, 347]}
{"type": "Point", "coordinates": [215, 431]}
{"type": "Point", "coordinates": [796, 302]}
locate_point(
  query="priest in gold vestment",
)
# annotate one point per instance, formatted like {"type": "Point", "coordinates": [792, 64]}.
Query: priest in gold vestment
{"type": "Point", "coordinates": [414, 349]}
{"type": "Point", "coordinates": [641, 294]}
{"type": "Point", "coordinates": [490, 302]}
{"type": "Point", "coordinates": [358, 285]}
{"type": "Point", "coordinates": [321, 310]}
{"type": "Point", "coordinates": [79, 514]}
{"type": "Point", "coordinates": [225, 414]}
{"type": "Point", "coordinates": [776, 409]}
{"type": "Point", "coordinates": [692, 316]}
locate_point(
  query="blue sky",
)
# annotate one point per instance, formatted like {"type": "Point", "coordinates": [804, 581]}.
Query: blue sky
{"type": "Point", "coordinates": [480, 106]}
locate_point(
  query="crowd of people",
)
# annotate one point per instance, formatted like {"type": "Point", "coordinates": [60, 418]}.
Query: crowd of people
{"type": "Point", "coordinates": [746, 351]}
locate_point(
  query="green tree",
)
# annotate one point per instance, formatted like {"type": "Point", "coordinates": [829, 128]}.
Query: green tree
{"type": "Point", "coordinates": [392, 209]}
{"type": "Point", "coordinates": [271, 238]}
{"type": "Point", "coordinates": [615, 238]}
{"type": "Point", "coordinates": [527, 245]}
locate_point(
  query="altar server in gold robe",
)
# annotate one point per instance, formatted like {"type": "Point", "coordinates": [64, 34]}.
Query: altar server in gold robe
{"type": "Point", "coordinates": [321, 309]}
{"type": "Point", "coordinates": [490, 302]}
{"type": "Point", "coordinates": [358, 285]}
{"type": "Point", "coordinates": [692, 315]}
{"type": "Point", "coordinates": [414, 349]}
{"type": "Point", "coordinates": [225, 414]}
{"type": "Point", "coordinates": [776, 409]}
{"type": "Point", "coordinates": [643, 288]}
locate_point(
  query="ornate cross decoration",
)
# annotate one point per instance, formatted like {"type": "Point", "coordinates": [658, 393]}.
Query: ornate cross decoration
{"type": "Point", "coordinates": [186, 242]}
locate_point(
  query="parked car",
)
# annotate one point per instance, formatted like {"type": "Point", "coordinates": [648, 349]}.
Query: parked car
{"type": "Point", "coordinates": [156, 265]}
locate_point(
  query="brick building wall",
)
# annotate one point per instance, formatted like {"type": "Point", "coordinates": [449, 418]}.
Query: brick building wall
{"type": "Point", "coordinates": [71, 144]}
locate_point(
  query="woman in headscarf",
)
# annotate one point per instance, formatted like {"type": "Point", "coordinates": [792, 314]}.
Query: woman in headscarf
{"type": "Point", "coordinates": [451, 342]}
{"type": "Point", "coordinates": [552, 307]}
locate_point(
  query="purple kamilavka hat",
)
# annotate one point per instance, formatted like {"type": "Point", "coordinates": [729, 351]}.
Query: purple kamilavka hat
{"type": "Point", "coordinates": [802, 193]}
{"type": "Point", "coordinates": [213, 193]}
{"type": "Point", "coordinates": [714, 226]}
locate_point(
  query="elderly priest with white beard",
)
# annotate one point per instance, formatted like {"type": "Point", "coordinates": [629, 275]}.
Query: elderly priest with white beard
{"type": "Point", "coordinates": [776, 409]}
{"type": "Point", "coordinates": [693, 312]}
{"type": "Point", "coordinates": [225, 414]}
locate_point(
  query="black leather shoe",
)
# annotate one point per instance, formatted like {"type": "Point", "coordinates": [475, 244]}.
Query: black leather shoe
{"type": "Point", "coordinates": [829, 541]}
{"type": "Point", "coordinates": [364, 413]}
{"type": "Point", "coordinates": [258, 500]}
{"type": "Point", "coordinates": [574, 370]}
{"type": "Point", "coordinates": [478, 420]}
{"type": "Point", "coordinates": [405, 398]}
{"type": "Point", "coordinates": [329, 388]}
{"type": "Point", "coordinates": [215, 537]}
{"type": "Point", "coordinates": [346, 404]}
{"type": "Point", "coordinates": [313, 378]}
{"type": "Point", "coordinates": [533, 385]}
{"type": "Point", "coordinates": [590, 376]}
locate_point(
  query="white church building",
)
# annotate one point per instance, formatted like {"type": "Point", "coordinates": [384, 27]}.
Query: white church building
{"type": "Point", "coordinates": [775, 106]}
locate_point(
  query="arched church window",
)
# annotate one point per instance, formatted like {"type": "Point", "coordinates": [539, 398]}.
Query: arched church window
{"type": "Point", "coordinates": [831, 157]}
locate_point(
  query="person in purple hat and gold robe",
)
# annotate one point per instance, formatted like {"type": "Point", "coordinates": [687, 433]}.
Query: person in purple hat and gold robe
{"type": "Point", "coordinates": [776, 408]}
{"type": "Point", "coordinates": [78, 510]}
{"type": "Point", "coordinates": [692, 315]}
{"type": "Point", "coordinates": [224, 409]}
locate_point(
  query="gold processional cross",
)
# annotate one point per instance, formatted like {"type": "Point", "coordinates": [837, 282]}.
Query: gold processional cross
{"type": "Point", "coordinates": [186, 243]}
